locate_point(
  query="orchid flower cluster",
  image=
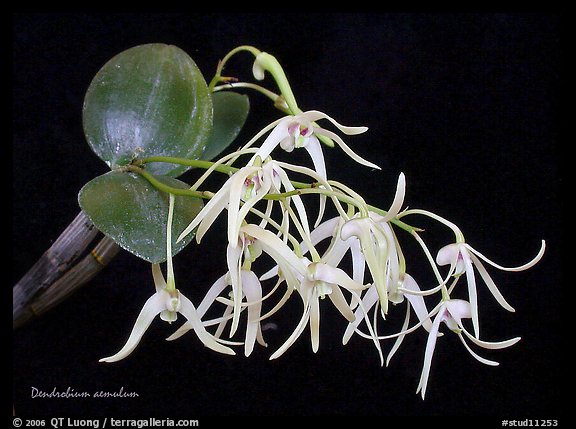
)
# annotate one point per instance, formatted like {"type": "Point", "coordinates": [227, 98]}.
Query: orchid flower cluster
{"type": "Point", "coordinates": [276, 251]}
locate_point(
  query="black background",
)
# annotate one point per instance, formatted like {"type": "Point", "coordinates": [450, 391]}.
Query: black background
{"type": "Point", "coordinates": [467, 105]}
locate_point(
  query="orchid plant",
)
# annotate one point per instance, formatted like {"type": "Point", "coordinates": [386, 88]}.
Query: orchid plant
{"type": "Point", "coordinates": [150, 116]}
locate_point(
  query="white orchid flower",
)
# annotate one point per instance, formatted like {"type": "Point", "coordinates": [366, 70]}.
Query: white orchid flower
{"type": "Point", "coordinates": [251, 290]}
{"type": "Point", "coordinates": [253, 241]}
{"type": "Point", "coordinates": [462, 259]}
{"type": "Point", "coordinates": [312, 280]}
{"type": "Point", "coordinates": [236, 256]}
{"type": "Point", "coordinates": [378, 244]}
{"type": "Point", "coordinates": [300, 131]}
{"type": "Point", "coordinates": [409, 289]}
{"type": "Point", "coordinates": [241, 192]}
{"type": "Point", "coordinates": [166, 303]}
{"type": "Point", "coordinates": [321, 280]}
{"type": "Point", "coordinates": [451, 312]}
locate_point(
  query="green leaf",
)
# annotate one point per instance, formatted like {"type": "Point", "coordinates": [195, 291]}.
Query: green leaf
{"type": "Point", "coordinates": [230, 112]}
{"type": "Point", "coordinates": [134, 214]}
{"type": "Point", "coordinates": [150, 100]}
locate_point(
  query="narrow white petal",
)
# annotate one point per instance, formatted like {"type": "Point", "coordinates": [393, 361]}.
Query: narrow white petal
{"type": "Point", "coordinates": [321, 209]}
{"type": "Point", "coordinates": [393, 259]}
{"type": "Point", "coordinates": [226, 317]}
{"type": "Point", "coordinates": [237, 181]}
{"type": "Point", "coordinates": [253, 292]}
{"type": "Point", "coordinates": [273, 140]}
{"type": "Point", "coordinates": [267, 213]}
{"type": "Point", "coordinates": [417, 301]}
{"type": "Point", "coordinates": [315, 322]}
{"type": "Point", "coordinates": [323, 231]}
{"type": "Point", "coordinates": [159, 281]}
{"type": "Point", "coordinates": [336, 251]}
{"type": "Point", "coordinates": [212, 209]}
{"type": "Point", "coordinates": [189, 311]}
{"type": "Point", "coordinates": [207, 214]}
{"type": "Point", "coordinates": [430, 259]}
{"type": "Point", "coordinates": [492, 345]}
{"type": "Point", "coordinates": [228, 159]}
{"type": "Point", "coordinates": [429, 353]}
{"type": "Point", "coordinates": [371, 329]}
{"type": "Point", "coordinates": [363, 227]}
{"type": "Point", "coordinates": [490, 283]}
{"type": "Point", "coordinates": [358, 261]}
{"type": "Point", "coordinates": [220, 203]}
{"type": "Point", "coordinates": [340, 303]}
{"type": "Point", "coordinates": [523, 267]}
{"type": "Point", "coordinates": [398, 199]}
{"type": "Point", "coordinates": [314, 149]}
{"type": "Point", "coordinates": [185, 327]}
{"type": "Point", "coordinates": [329, 274]}
{"type": "Point", "coordinates": [297, 202]}
{"type": "Point", "coordinates": [272, 272]}
{"type": "Point", "coordinates": [315, 115]}
{"type": "Point", "coordinates": [400, 338]}
{"type": "Point", "coordinates": [281, 302]}
{"type": "Point", "coordinates": [275, 247]}
{"type": "Point", "coordinates": [347, 149]}
{"type": "Point", "coordinates": [472, 292]}
{"type": "Point", "coordinates": [475, 356]}
{"type": "Point", "coordinates": [294, 336]}
{"type": "Point", "coordinates": [234, 259]}
{"type": "Point", "coordinates": [311, 173]}
{"type": "Point", "coordinates": [153, 306]}
{"type": "Point", "coordinates": [247, 147]}
{"type": "Point", "coordinates": [215, 290]}
{"type": "Point", "coordinates": [307, 172]}
{"type": "Point", "coordinates": [370, 298]}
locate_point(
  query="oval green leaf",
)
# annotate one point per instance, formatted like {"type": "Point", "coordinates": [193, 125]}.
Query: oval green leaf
{"type": "Point", "coordinates": [150, 100]}
{"type": "Point", "coordinates": [230, 113]}
{"type": "Point", "coordinates": [134, 214]}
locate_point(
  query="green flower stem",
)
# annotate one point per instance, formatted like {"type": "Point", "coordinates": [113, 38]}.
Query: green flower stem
{"type": "Point", "coordinates": [221, 168]}
{"type": "Point", "coordinates": [170, 281]}
{"type": "Point", "coordinates": [301, 188]}
{"type": "Point", "coordinates": [266, 62]}
{"type": "Point", "coordinates": [286, 102]}
{"type": "Point", "coordinates": [197, 163]}
{"type": "Point", "coordinates": [218, 76]}
{"type": "Point", "coordinates": [278, 100]}
{"type": "Point", "coordinates": [166, 188]}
